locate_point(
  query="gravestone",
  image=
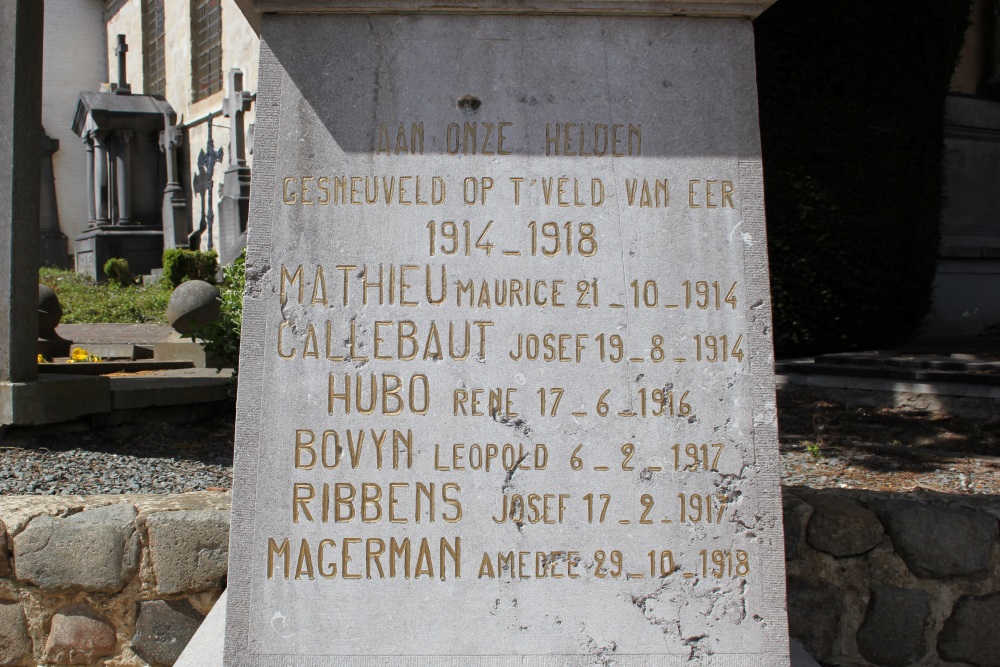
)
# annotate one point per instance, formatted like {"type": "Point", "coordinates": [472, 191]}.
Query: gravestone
{"type": "Point", "coordinates": [235, 206]}
{"type": "Point", "coordinates": [506, 380]}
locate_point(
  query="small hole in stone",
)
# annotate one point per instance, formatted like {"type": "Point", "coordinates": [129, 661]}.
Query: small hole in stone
{"type": "Point", "coordinates": [469, 103]}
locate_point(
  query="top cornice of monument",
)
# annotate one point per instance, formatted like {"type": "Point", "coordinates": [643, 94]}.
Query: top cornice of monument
{"type": "Point", "coordinates": [254, 10]}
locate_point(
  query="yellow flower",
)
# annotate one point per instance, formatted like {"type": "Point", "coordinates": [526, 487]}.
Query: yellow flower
{"type": "Point", "coordinates": [80, 354]}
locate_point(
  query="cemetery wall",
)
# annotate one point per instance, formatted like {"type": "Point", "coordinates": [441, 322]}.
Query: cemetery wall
{"type": "Point", "coordinates": [873, 578]}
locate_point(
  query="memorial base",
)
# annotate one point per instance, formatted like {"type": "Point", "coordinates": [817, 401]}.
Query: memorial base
{"type": "Point", "coordinates": [53, 399]}
{"type": "Point", "coordinates": [142, 246]}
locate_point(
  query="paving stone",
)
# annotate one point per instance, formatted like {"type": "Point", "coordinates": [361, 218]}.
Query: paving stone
{"type": "Point", "coordinates": [939, 542]}
{"type": "Point", "coordinates": [892, 634]}
{"type": "Point", "coordinates": [843, 528]}
{"type": "Point", "coordinates": [79, 636]}
{"type": "Point", "coordinates": [794, 514]}
{"type": "Point", "coordinates": [972, 633]}
{"type": "Point", "coordinates": [814, 612]}
{"type": "Point", "coordinates": [15, 643]}
{"type": "Point", "coordinates": [189, 549]}
{"type": "Point", "coordinates": [5, 569]}
{"type": "Point", "coordinates": [162, 629]}
{"type": "Point", "coordinates": [95, 550]}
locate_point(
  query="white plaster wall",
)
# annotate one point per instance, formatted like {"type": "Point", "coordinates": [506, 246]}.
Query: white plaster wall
{"type": "Point", "coordinates": [73, 60]}
{"type": "Point", "coordinates": [127, 21]}
{"type": "Point", "coordinates": [240, 48]}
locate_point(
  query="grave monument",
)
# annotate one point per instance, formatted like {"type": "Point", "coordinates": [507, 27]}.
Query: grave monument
{"type": "Point", "coordinates": [126, 176]}
{"type": "Point", "coordinates": [235, 206]}
{"type": "Point", "coordinates": [506, 386]}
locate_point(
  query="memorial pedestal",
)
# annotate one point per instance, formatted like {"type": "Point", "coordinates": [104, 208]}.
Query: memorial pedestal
{"type": "Point", "coordinates": [521, 248]}
{"type": "Point", "coordinates": [141, 245]}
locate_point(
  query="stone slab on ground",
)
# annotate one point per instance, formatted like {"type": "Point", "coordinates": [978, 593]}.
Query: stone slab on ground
{"type": "Point", "coordinates": [53, 398]}
{"type": "Point", "coordinates": [133, 334]}
{"type": "Point", "coordinates": [171, 387]}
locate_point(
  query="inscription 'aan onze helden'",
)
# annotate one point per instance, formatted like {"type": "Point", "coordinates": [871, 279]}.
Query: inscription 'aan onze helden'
{"type": "Point", "coordinates": [482, 138]}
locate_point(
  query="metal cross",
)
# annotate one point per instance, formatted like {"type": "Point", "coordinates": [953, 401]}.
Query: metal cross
{"type": "Point", "coordinates": [207, 159]}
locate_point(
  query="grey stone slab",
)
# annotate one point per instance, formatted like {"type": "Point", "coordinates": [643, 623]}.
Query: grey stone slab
{"type": "Point", "coordinates": [843, 528]}
{"type": "Point", "coordinates": [937, 542]}
{"type": "Point", "coordinates": [20, 167]}
{"type": "Point", "coordinates": [894, 629]}
{"type": "Point", "coordinates": [972, 632]}
{"type": "Point", "coordinates": [188, 549]}
{"type": "Point", "coordinates": [53, 398]}
{"type": "Point", "coordinates": [15, 642]}
{"type": "Point", "coordinates": [206, 647]}
{"type": "Point", "coordinates": [134, 334]}
{"type": "Point", "coordinates": [162, 629]}
{"type": "Point", "coordinates": [544, 560]}
{"type": "Point", "coordinates": [96, 550]}
{"type": "Point", "coordinates": [183, 386]}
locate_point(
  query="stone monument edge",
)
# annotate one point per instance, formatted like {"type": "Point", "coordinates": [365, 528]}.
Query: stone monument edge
{"type": "Point", "coordinates": [254, 10]}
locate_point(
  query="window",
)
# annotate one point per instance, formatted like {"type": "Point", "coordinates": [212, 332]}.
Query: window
{"type": "Point", "coordinates": [154, 74]}
{"type": "Point", "coordinates": [206, 47]}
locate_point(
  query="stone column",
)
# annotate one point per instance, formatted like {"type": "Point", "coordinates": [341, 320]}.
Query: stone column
{"type": "Point", "coordinates": [88, 142]}
{"type": "Point", "coordinates": [100, 178]}
{"type": "Point", "coordinates": [53, 241]}
{"type": "Point", "coordinates": [124, 178]}
{"type": "Point", "coordinates": [175, 221]}
{"type": "Point", "coordinates": [20, 149]}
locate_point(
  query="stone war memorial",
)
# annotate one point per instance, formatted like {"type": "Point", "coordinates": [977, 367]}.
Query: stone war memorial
{"type": "Point", "coordinates": [507, 376]}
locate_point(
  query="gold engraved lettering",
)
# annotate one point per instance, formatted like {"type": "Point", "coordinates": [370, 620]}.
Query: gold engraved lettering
{"type": "Point", "coordinates": [276, 550]}
{"type": "Point", "coordinates": [289, 197]}
{"type": "Point", "coordinates": [306, 180]}
{"type": "Point", "coordinates": [291, 279]}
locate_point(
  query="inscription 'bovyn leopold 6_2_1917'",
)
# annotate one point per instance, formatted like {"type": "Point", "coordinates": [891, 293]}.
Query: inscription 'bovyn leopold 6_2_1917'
{"type": "Point", "coordinates": [506, 387]}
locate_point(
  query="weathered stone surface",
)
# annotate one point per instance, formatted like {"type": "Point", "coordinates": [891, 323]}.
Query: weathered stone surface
{"type": "Point", "coordinates": [5, 568]}
{"type": "Point", "coordinates": [79, 636]}
{"type": "Point", "coordinates": [189, 549]}
{"type": "Point", "coordinates": [795, 512]}
{"type": "Point", "coordinates": [193, 303]}
{"type": "Point", "coordinates": [939, 541]}
{"type": "Point", "coordinates": [558, 86]}
{"type": "Point", "coordinates": [894, 627]}
{"type": "Point", "coordinates": [972, 632]}
{"type": "Point", "coordinates": [162, 630]}
{"type": "Point", "coordinates": [814, 612]}
{"type": "Point", "coordinates": [15, 644]}
{"type": "Point", "coordinates": [95, 550]}
{"type": "Point", "coordinates": [843, 528]}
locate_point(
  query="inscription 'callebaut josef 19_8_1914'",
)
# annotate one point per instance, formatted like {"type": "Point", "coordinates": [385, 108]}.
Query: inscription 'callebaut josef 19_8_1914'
{"type": "Point", "coordinates": [506, 382]}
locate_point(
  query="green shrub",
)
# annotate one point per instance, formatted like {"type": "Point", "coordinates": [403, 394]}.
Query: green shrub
{"type": "Point", "coordinates": [85, 302]}
{"type": "Point", "coordinates": [222, 337]}
{"type": "Point", "coordinates": [117, 271]}
{"type": "Point", "coordinates": [852, 100]}
{"type": "Point", "coordinates": [180, 265]}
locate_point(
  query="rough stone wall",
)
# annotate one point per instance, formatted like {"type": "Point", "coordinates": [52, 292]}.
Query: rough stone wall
{"type": "Point", "coordinates": [123, 581]}
{"type": "Point", "coordinates": [73, 60]}
{"type": "Point", "coordinates": [891, 580]}
{"type": "Point", "coordinates": [873, 578]}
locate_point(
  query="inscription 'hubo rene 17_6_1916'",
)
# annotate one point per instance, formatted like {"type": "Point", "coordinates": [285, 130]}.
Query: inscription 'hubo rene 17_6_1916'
{"type": "Point", "coordinates": [506, 387]}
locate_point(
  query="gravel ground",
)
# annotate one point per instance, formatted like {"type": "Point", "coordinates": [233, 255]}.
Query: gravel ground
{"type": "Point", "coordinates": [823, 445]}
{"type": "Point", "coordinates": [131, 458]}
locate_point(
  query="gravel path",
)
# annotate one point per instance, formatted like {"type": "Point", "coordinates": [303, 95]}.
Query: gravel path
{"type": "Point", "coordinates": [131, 458]}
